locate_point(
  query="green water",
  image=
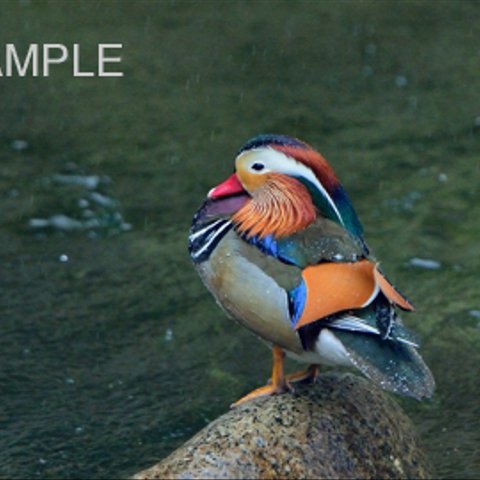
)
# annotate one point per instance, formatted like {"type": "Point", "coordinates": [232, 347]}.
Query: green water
{"type": "Point", "coordinates": [112, 352]}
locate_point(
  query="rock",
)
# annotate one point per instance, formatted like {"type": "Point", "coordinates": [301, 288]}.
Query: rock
{"type": "Point", "coordinates": [341, 427]}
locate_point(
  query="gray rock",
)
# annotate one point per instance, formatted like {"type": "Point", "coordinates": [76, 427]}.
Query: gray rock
{"type": "Point", "coordinates": [342, 427]}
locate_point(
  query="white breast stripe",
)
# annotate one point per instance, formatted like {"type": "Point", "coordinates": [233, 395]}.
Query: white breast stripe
{"type": "Point", "coordinates": [210, 240]}
{"type": "Point", "coordinates": [205, 229]}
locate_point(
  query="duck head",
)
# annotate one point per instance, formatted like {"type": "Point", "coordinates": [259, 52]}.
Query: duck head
{"type": "Point", "coordinates": [289, 184]}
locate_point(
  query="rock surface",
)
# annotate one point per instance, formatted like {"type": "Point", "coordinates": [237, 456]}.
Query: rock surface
{"type": "Point", "coordinates": [341, 427]}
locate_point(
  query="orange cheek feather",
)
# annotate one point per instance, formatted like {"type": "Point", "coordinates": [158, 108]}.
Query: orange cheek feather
{"type": "Point", "coordinates": [251, 181]}
{"type": "Point", "coordinates": [280, 206]}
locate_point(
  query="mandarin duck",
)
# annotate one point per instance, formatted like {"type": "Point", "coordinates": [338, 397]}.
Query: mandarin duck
{"type": "Point", "coordinates": [281, 249]}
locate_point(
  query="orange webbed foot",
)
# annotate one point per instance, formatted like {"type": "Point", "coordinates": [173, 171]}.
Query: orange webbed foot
{"type": "Point", "coordinates": [278, 384]}
{"type": "Point", "coordinates": [264, 391]}
{"type": "Point", "coordinates": [309, 375]}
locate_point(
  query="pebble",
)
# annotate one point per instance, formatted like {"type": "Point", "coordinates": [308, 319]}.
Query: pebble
{"type": "Point", "coordinates": [401, 81]}
{"type": "Point", "coordinates": [19, 145]}
{"type": "Point", "coordinates": [91, 182]}
{"type": "Point", "coordinates": [424, 263]}
{"type": "Point", "coordinates": [169, 335]}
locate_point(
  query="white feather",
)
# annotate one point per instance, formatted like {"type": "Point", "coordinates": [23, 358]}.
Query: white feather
{"type": "Point", "coordinates": [209, 241]}
{"type": "Point", "coordinates": [372, 296]}
{"type": "Point", "coordinates": [354, 324]}
{"type": "Point", "coordinates": [207, 227]}
{"type": "Point", "coordinates": [329, 350]}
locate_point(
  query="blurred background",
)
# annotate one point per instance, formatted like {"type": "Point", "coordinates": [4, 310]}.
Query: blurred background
{"type": "Point", "coordinates": [112, 352]}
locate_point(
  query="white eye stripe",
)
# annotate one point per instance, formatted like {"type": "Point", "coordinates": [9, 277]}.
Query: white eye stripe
{"type": "Point", "coordinates": [281, 163]}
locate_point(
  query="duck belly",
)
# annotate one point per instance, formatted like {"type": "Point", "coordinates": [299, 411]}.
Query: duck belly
{"type": "Point", "coordinates": [249, 294]}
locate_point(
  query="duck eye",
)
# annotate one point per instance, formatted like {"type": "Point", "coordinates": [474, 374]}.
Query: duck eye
{"type": "Point", "coordinates": [258, 166]}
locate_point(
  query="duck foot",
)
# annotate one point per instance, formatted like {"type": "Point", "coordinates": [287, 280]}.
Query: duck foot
{"type": "Point", "coordinates": [309, 375]}
{"type": "Point", "coordinates": [279, 383]}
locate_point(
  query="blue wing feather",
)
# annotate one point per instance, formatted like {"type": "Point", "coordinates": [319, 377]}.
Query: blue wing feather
{"type": "Point", "coordinates": [282, 249]}
{"type": "Point", "coordinates": [296, 301]}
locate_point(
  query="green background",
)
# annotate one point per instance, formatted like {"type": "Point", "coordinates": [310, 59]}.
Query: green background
{"type": "Point", "coordinates": [114, 358]}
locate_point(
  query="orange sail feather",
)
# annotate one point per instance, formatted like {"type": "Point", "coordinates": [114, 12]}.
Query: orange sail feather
{"type": "Point", "coordinates": [333, 287]}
